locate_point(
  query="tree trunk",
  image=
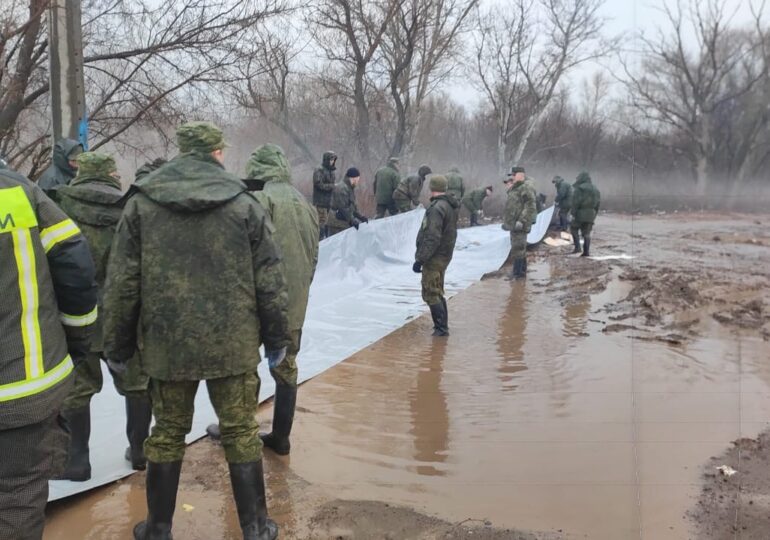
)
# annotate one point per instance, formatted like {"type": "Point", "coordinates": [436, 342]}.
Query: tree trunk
{"type": "Point", "coordinates": [362, 118]}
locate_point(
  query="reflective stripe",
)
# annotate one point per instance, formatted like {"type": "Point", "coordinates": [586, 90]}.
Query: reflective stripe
{"type": "Point", "coordinates": [79, 320]}
{"type": "Point", "coordinates": [29, 387]}
{"type": "Point", "coordinates": [58, 233]}
{"type": "Point", "coordinates": [15, 210]}
{"type": "Point", "coordinates": [24, 252]}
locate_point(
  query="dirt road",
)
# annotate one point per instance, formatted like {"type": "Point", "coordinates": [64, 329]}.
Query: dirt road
{"type": "Point", "coordinates": [587, 402]}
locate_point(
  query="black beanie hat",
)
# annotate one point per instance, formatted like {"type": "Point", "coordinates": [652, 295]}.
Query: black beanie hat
{"type": "Point", "coordinates": [352, 173]}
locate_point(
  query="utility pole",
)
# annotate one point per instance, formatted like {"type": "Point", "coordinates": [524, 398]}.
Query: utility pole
{"type": "Point", "coordinates": [68, 100]}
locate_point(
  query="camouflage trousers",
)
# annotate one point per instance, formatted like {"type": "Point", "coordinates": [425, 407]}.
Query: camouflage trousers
{"type": "Point", "coordinates": [584, 228]}
{"type": "Point", "coordinates": [286, 373]}
{"type": "Point", "coordinates": [391, 208]}
{"type": "Point", "coordinates": [334, 229]}
{"type": "Point", "coordinates": [31, 456]}
{"type": "Point", "coordinates": [323, 215]}
{"type": "Point", "coordinates": [235, 402]}
{"type": "Point", "coordinates": [88, 381]}
{"type": "Point", "coordinates": [433, 283]}
{"type": "Point", "coordinates": [564, 220]}
{"type": "Point", "coordinates": [518, 244]}
{"type": "Point", "coordinates": [403, 205]}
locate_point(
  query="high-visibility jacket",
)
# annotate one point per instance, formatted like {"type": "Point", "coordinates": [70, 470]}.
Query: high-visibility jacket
{"type": "Point", "coordinates": [47, 302]}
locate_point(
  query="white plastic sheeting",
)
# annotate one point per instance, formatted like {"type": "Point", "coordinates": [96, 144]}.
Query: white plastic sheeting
{"type": "Point", "coordinates": [364, 288]}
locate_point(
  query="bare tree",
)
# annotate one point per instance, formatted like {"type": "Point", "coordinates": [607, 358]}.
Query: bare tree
{"type": "Point", "coordinates": [683, 91]}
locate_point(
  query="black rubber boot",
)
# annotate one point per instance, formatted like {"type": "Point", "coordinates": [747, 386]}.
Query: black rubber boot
{"type": "Point", "coordinates": [439, 314]}
{"type": "Point", "coordinates": [586, 247]}
{"type": "Point", "coordinates": [79, 460]}
{"type": "Point", "coordinates": [576, 241]}
{"type": "Point", "coordinates": [446, 311]}
{"type": "Point", "coordinates": [162, 485]}
{"type": "Point", "coordinates": [521, 268]}
{"type": "Point", "coordinates": [138, 418]}
{"type": "Point", "coordinates": [474, 219]}
{"type": "Point", "coordinates": [249, 491]}
{"type": "Point", "coordinates": [283, 418]}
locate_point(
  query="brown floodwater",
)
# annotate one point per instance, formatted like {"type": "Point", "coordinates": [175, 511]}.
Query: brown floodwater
{"type": "Point", "coordinates": [528, 416]}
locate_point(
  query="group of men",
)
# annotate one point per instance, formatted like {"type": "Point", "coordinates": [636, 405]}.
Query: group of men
{"type": "Point", "coordinates": [182, 279]}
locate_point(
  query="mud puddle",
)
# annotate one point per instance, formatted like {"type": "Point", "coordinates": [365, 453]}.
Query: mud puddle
{"type": "Point", "coordinates": [532, 420]}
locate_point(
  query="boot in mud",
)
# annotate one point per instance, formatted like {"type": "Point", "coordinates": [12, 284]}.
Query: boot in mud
{"type": "Point", "coordinates": [283, 418]}
{"type": "Point", "coordinates": [138, 418]}
{"type": "Point", "coordinates": [474, 219]}
{"type": "Point", "coordinates": [79, 460]}
{"type": "Point", "coordinates": [446, 311]}
{"type": "Point", "coordinates": [576, 241]}
{"type": "Point", "coordinates": [162, 484]}
{"type": "Point", "coordinates": [249, 491]}
{"type": "Point", "coordinates": [440, 319]}
{"type": "Point", "coordinates": [586, 247]}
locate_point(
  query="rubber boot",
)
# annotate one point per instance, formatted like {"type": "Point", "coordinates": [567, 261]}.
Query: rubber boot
{"type": "Point", "coordinates": [162, 485]}
{"type": "Point", "coordinates": [586, 247]}
{"type": "Point", "coordinates": [474, 219]}
{"type": "Point", "coordinates": [249, 491]}
{"type": "Point", "coordinates": [576, 241]}
{"type": "Point", "coordinates": [138, 418]}
{"type": "Point", "coordinates": [79, 460]}
{"type": "Point", "coordinates": [283, 418]}
{"type": "Point", "coordinates": [520, 268]}
{"type": "Point", "coordinates": [439, 313]}
{"type": "Point", "coordinates": [446, 312]}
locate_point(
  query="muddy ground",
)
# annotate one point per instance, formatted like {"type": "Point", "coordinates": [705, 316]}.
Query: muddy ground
{"type": "Point", "coordinates": [593, 401]}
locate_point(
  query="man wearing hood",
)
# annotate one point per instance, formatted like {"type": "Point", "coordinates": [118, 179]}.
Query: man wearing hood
{"type": "Point", "coordinates": [435, 247]}
{"type": "Point", "coordinates": [585, 207]}
{"type": "Point", "coordinates": [563, 201]}
{"type": "Point", "coordinates": [323, 185]}
{"type": "Point", "coordinates": [64, 165]}
{"type": "Point", "coordinates": [455, 184]}
{"type": "Point", "coordinates": [194, 258]}
{"type": "Point", "coordinates": [296, 233]}
{"type": "Point", "coordinates": [407, 194]}
{"type": "Point", "coordinates": [519, 215]}
{"type": "Point", "coordinates": [91, 200]}
{"type": "Point", "coordinates": [386, 180]}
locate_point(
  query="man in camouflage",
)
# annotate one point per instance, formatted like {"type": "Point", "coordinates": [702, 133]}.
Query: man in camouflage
{"type": "Point", "coordinates": [386, 180]}
{"type": "Point", "coordinates": [455, 184]}
{"type": "Point", "coordinates": [91, 200]}
{"type": "Point", "coordinates": [585, 206]}
{"type": "Point", "coordinates": [407, 194]}
{"type": "Point", "coordinates": [194, 259]}
{"type": "Point", "coordinates": [435, 247]}
{"type": "Point", "coordinates": [323, 185]}
{"type": "Point", "coordinates": [474, 202]}
{"type": "Point", "coordinates": [519, 215]}
{"type": "Point", "coordinates": [47, 310]}
{"type": "Point", "coordinates": [563, 201]}
{"type": "Point", "coordinates": [296, 233]}
{"type": "Point", "coordinates": [345, 212]}
{"type": "Point", "coordinates": [64, 165]}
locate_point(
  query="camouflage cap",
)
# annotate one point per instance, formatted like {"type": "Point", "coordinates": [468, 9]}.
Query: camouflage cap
{"type": "Point", "coordinates": [438, 183]}
{"type": "Point", "coordinates": [95, 164]}
{"type": "Point", "coordinates": [517, 169]}
{"type": "Point", "coordinates": [202, 137]}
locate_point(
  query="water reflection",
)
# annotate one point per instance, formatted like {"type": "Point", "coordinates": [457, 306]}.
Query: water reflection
{"type": "Point", "coordinates": [511, 337]}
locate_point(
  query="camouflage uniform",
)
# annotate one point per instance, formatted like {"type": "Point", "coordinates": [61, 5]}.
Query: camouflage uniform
{"type": "Point", "coordinates": [435, 247]}
{"type": "Point", "coordinates": [520, 207]}
{"type": "Point", "coordinates": [386, 180]}
{"type": "Point", "coordinates": [60, 172]}
{"type": "Point", "coordinates": [407, 194]}
{"type": "Point", "coordinates": [586, 200]}
{"type": "Point", "coordinates": [344, 209]}
{"type": "Point", "coordinates": [148, 167]}
{"type": "Point", "coordinates": [323, 185]}
{"type": "Point", "coordinates": [195, 261]}
{"type": "Point", "coordinates": [563, 201]}
{"type": "Point", "coordinates": [473, 203]}
{"type": "Point", "coordinates": [455, 184]}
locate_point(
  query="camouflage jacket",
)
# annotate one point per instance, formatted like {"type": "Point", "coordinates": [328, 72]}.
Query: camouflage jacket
{"type": "Point", "coordinates": [475, 199]}
{"type": "Point", "coordinates": [60, 172]}
{"type": "Point", "coordinates": [344, 208]}
{"type": "Point", "coordinates": [296, 226]}
{"type": "Point", "coordinates": [563, 195]}
{"type": "Point", "coordinates": [93, 204]}
{"type": "Point", "coordinates": [194, 259]}
{"type": "Point", "coordinates": [455, 184]}
{"type": "Point", "coordinates": [585, 201]}
{"type": "Point", "coordinates": [386, 181]}
{"type": "Point", "coordinates": [323, 183]}
{"type": "Point", "coordinates": [438, 232]}
{"type": "Point", "coordinates": [409, 189]}
{"type": "Point", "coordinates": [520, 206]}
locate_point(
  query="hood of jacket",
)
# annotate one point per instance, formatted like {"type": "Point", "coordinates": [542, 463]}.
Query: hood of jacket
{"type": "Point", "coordinates": [191, 182]}
{"type": "Point", "coordinates": [92, 203]}
{"type": "Point", "coordinates": [269, 163]}
{"type": "Point", "coordinates": [451, 199]}
{"type": "Point", "coordinates": [61, 150]}
{"type": "Point", "coordinates": [583, 178]}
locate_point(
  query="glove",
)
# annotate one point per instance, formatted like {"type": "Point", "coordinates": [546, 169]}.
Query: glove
{"type": "Point", "coordinates": [506, 227]}
{"type": "Point", "coordinates": [363, 219]}
{"type": "Point", "coordinates": [117, 367]}
{"type": "Point", "coordinates": [417, 267]}
{"type": "Point", "coordinates": [355, 223]}
{"type": "Point", "coordinates": [275, 356]}
{"type": "Point", "coordinates": [518, 227]}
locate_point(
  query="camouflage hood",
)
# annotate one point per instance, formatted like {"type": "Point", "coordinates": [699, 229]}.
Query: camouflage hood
{"type": "Point", "coordinates": [93, 203]}
{"type": "Point", "coordinates": [191, 182]}
{"type": "Point", "coordinates": [269, 163]}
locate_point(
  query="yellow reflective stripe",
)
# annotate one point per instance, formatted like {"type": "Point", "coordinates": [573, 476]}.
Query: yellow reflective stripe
{"type": "Point", "coordinates": [54, 234]}
{"type": "Point", "coordinates": [24, 252]}
{"type": "Point", "coordinates": [29, 387]}
{"type": "Point", "coordinates": [16, 211]}
{"type": "Point", "coordinates": [79, 320]}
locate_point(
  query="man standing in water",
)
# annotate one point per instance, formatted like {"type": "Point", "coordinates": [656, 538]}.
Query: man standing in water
{"type": "Point", "coordinates": [520, 213]}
